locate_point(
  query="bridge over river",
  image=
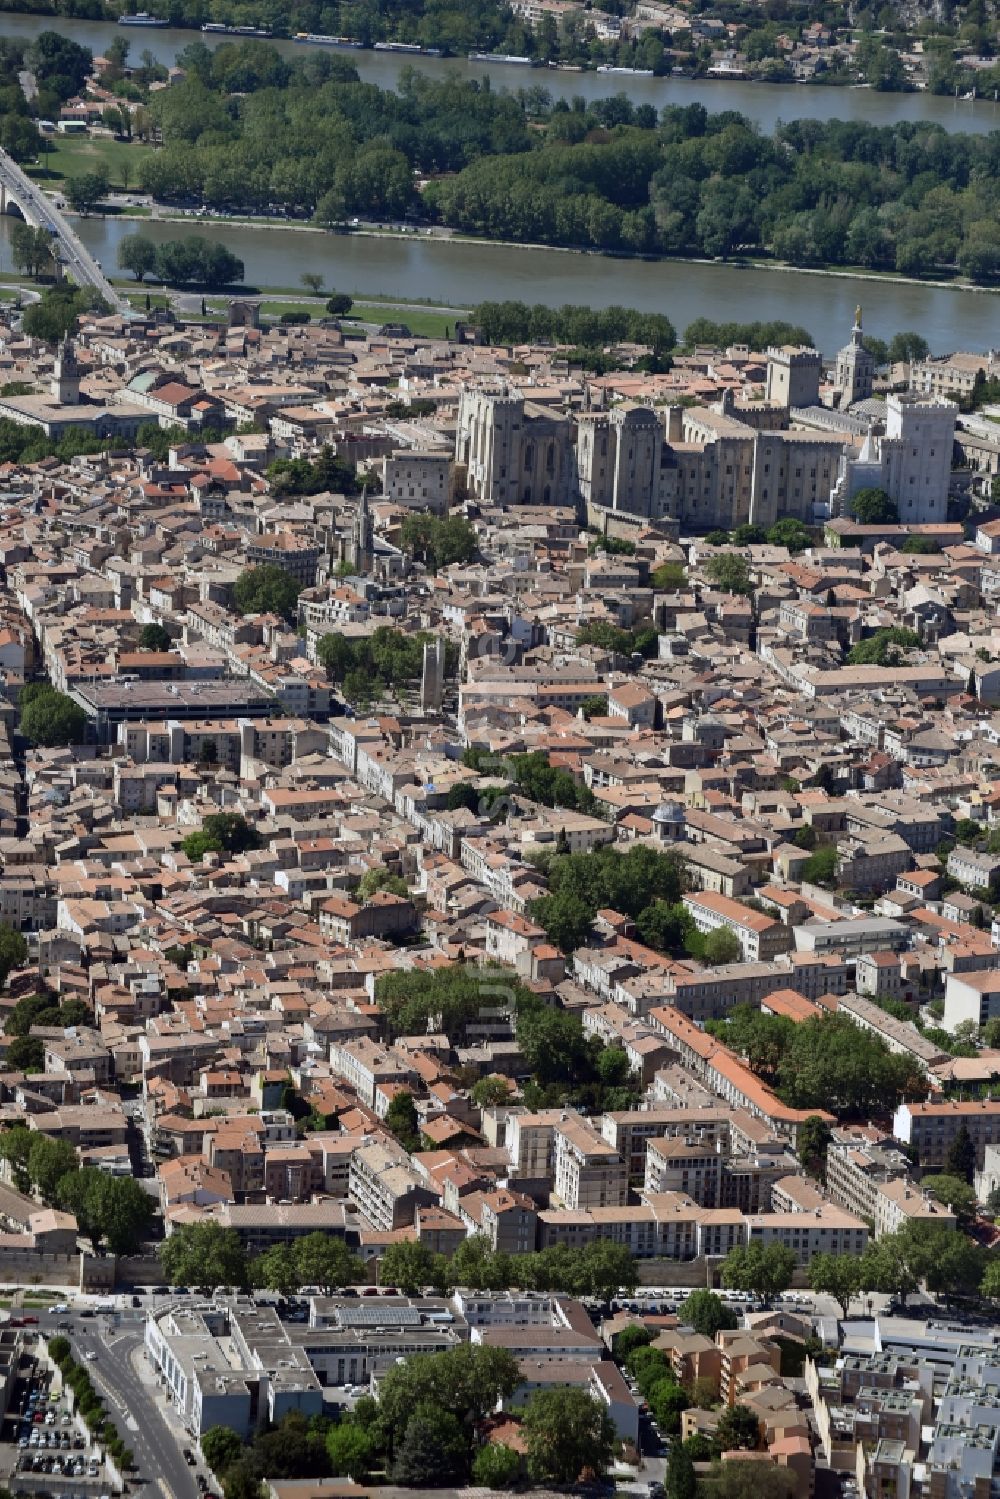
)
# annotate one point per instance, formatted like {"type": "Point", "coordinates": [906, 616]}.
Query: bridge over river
{"type": "Point", "coordinates": [18, 190]}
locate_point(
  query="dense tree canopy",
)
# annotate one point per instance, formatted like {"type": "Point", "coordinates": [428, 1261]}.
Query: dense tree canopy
{"type": "Point", "coordinates": [765, 1270]}
{"type": "Point", "coordinates": [317, 1259]}
{"type": "Point", "coordinates": [580, 885]}
{"type": "Point", "coordinates": [873, 507]}
{"type": "Point", "coordinates": [267, 589]}
{"type": "Point", "coordinates": [826, 1063]}
{"type": "Point", "coordinates": [580, 327]}
{"type": "Point", "coordinates": [366, 669]}
{"type": "Point", "coordinates": [568, 1433]}
{"type": "Point", "coordinates": [325, 472]}
{"type": "Point", "coordinates": [221, 833]}
{"type": "Point", "coordinates": [13, 952]}
{"type": "Point", "coordinates": [886, 647]}
{"type": "Point", "coordinates": [193, 261]}
{"type": "Point", "coordinates": [438, 541]}
{"type": "Point", "coordinates": [50, 718]}
{"type": "Point", "coordinates": [204, 1254]}
{"type": "Point", "coordinates": [153, 637]}
{"type": "Point", "coordinates": [55, 314]}
{"type": "Point", "coordinates": [308, 136]}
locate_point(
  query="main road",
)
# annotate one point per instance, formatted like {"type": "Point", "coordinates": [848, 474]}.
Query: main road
{"type": "Point", "coordinates": [40, 210]}
{"type": "Point", "coordinates": [111, 1345]}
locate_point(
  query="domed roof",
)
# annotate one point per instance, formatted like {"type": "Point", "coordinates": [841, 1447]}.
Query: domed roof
{"type": "Point", "coordinates": [669, 812]}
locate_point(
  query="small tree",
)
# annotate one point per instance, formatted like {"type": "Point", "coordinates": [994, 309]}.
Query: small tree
{"type": "Point", "coordinates": [821, 867]}
{"type": "Point", "coordinates": [434, 1452]}
{"type": "Point", "coordinates": [838, 1275]}
{"type": "Point", "coordinates": [681, 1480]}
{"type": "Point", "coordinates": [408, 1265]}
{"type": "Point", "coordinates": [631, 1338]}
{"type": "Point", "coordinates": [401, 1120]}
{"type": "Point", "coordinates": [730, 573]}
{"type": "Point", "coordinates": [221, 1447]}
{"type": "Point", "coordinates": [137, 254]}
{"type": "Point", "coordinates": [339, 304]}
{"type": "Point", "coordinates": [13, 951]}
{"type": "Point", "coordinates": [762, 1270]}
{"type": "Point", "coordinates": [489, 1092]}
{"type": "Point", "coordinates": [961, 1158]}
{"type": "Point", "coordinates": [707, 1313]}
{"type": "Point", "coordinates": [350, 1450]}
{"type": "Point", "coordinates": [722, 946]}
{"type": "Point", "coordinates": [568, 1432]}
{"type": "Point", "coordinates": [84, 192]}
{"type": "Point", "coordinates": [496, 1466]}
{"type": "Point", "coordinates": [312, 281]}
{"type": "Point", "coordinates": [738, 1428]}
{"type": "Point", "coordinates": [813, 1143]}
{"type": "Point", "coordinates": [873, 507]}
{"type": "Point", "coordinates": [153, 637]}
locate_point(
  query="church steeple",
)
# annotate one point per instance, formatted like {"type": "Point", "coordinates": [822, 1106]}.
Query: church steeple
{"type": "Point", "coordinates": [855, 367]}
{"type": "Point", "coordinates": [363, 540]}
{"type": "Point", "coordinates": [66, 376]}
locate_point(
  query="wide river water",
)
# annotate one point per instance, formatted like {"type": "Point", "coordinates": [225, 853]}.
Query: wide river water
{"type": "Point", "coordinates": [461, 274]}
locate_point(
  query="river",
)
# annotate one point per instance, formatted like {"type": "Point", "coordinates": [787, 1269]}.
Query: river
{"type": "Point", "coordinates": [460, 274]}
{"type": "Point", "coordinates": [767, 103]}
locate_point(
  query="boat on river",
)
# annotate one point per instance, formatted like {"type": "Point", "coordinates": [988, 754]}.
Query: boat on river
{"type": "Point", "coordinates": [318, 39]}
{"type": "Point", "coordinates": [517, 62]}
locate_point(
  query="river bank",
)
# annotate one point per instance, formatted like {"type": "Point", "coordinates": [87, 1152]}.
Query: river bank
{"type": "Point", "coordinates": [765, 103]}
{"type": "Point", "coordinates": [845, 273]}
{"type": "Point", "coordinates": [453, 273]}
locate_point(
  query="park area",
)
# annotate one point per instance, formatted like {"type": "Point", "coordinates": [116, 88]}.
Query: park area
{"type": "Point", "coordinates": [66, 156]}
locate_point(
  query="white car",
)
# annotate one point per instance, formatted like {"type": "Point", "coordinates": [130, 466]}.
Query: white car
{"type": "Point", "coordinates": [61, 1306]}
{"type": "Point", "coordinates": [90, 1355]}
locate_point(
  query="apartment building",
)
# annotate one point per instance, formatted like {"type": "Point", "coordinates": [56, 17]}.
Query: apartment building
{"type": "Point", "coordinates": [631, 1131]}
{"type": "Point", "coordinates": [898, 1203]}
{"type": "Point", "coordinates": [589, 1173]}
{"type": "Point", "coordinates": [674, 1165]}
{"type": "Point", "coordinates": [930, 1128]}
{"type": "Point", "coordinates": [742, 1352]}
{"type": "Point", "coordinates": [973, 869]}
{"type": "Point", "coordinates": [385, 1188]}
{"type": "Point", "coordinates": [824, 1230]}
{"type": "Point", "coordinates": [365, 1066]}
{"type": "Point", "coordinates": [530, 1141]}
{"type": "Point", "coordinates": [971, 996]}
{"type": "Point", "coordinates": [856, 1169]}
{"type": "Point", "coordinates": [728, 1076]}
{"type": "Point", "coordinates": [232, 1368]}
{"type": "Point", "coordinates": [761, 938]}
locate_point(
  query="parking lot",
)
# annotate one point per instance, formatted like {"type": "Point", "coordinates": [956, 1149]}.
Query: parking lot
{"type": "Point", "coordinates": [44, 1448]}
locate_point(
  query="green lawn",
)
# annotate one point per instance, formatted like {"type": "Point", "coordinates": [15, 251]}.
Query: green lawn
{"type": "Point", "coordinates": [316, 310]}
{"type": "Point", "coordinates": [425, 324]}
{"type": "Point", "coordinates": [72, 155]}
{"type": "Point", "coordinates": [421, 323]}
